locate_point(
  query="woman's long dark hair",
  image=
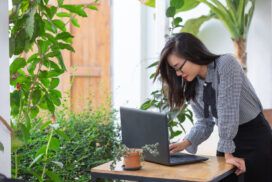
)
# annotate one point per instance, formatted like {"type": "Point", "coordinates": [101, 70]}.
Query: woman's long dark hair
{"type": "Point", "coordinates": [187, 46]}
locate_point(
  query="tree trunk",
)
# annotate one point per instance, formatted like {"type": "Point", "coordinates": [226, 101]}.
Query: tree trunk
{"type": "Point", "coordinates": [240, 52]}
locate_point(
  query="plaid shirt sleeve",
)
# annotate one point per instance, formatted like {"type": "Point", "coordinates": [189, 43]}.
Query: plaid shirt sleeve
{"type": "Point", "coordinates": [229, 92]}
{"type": "Point", "coordinates": [201, 130]}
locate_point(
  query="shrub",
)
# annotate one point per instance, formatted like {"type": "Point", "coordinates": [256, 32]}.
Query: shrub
{"type": "Point", "coordinates": [78, 142]}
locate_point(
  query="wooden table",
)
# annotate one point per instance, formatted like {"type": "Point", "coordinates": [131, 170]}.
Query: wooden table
{"type": "Point", "coordinates": [213, 169]}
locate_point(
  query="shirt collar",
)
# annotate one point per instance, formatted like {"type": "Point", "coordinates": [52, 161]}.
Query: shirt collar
{"type": "Point", "coordinates": [209, 75]}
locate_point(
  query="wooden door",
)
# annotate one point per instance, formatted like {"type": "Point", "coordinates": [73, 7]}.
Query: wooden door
{"type": "Point", "coordinates": [88, 69]}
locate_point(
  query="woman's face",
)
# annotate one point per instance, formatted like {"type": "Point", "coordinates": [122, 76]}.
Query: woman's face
{"type": "Point", "coordinates": [184, 68]}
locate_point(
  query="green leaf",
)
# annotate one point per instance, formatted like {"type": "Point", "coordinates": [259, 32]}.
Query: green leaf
{"type": "Point", "coordinates": [60, 60]}
{"type": "Point", "coordinates": [32, 57]}
{"type": "Point", "coordinates": [30, 23]}
{"type": "Point", "coordinates": [45, 81]}
{"type": "Point", "coordinates": [15, 102]}
{"type": "Point", "coordinates": [53, 176]}
{"type": "Point", "coordinates": [176, 3]}
{"type": "Point", "coordinates": [193, 25]}
{"type": "Point", "coordinates": [32, 66]}
{"type": "Point", "coordinates": [25, 132]}
{"type": "Point", "coordinates": [176, 133]}
{"type": "Point", "coordinates": [55, 93]}
{"type": "Point", "coordinates": [92, 7]}
{"type": "Point", "coordinates": [64, 35]}
{"type": "Point", "coordinates": [17, 64]}
{"type": "Point", "coordinates": [54, 73]}
{"type": "Point", "coordinates": [39, 27]}
{"type": "Point", "coordinates": [54, 83]}
{"type": "Point", "coordinates": [171, 11]}
{"type": "Point", "coordinates": [150, 3]}
{"type": "Point", "coordinates": [41, 150]}
{"type": "Point", "coordinates": [36, 96]}
{"type": "Point", "coordinates": [34, 111]}
{"type": "Point", "coordinates": [11, 46]}
{"type": "Point", "coordinates": [54, 144]}
{"type": "Point", "coordinates": [50, 26]}
{"type": "Point", "coordinates": [66, 46]}
{"type": "Point", "coordinates": [148, 104]}
{"type": "Point", "coordinates": [60, 24]}
{"type": "Point", "coordinates": [63, 14]}
{"type": "Point", "coordinates": [74, 22]}
{"type": "Point", "coordinates": [62, 134]}
{"type": "Point", "coordinates": [177, 21]}
{"type": "Point", "coordinates": [16, 143]}
{"type": "Point", "coordinates": [38, 158]}
{"type": "Point", "coordinates": [153, 64]}
{"type": "Point", "coordinates": [77, 9]}
{"type": "Point", "coordinates": [50, 105]}
{"type": "Point", "coordinates": [45, 125]}
{"type": "Point", "coordinates": [60, 2]}
{"type": "Point", "coordinates": [181, 117]}
{"type": "Point", "coordinates": [1, 147]}
{"type": "Point", "coordinates": [20, 40]}
{"type": "Point", "coordinates": [53, 10]}
{"type": "Point", "coordinates": [43, 46]}
{"type": "Point", "coordinates": [188, 5]}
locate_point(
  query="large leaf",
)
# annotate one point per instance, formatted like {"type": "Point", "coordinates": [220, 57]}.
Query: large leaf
{"type": "Point", "coordinates": [60, 24]}
{"type": "Point", "coordinates": [170, 12]}
{"type": "Point", "coordinates": [150, 3]}
{"type": "Point", "coordinates": [77, 9]}
{"type": "Point", "coordinates": [17, 64]}
{"type": "Point", "coordinates": [30, 23]}
{"type": "Point", "coordinates": [177, 3]}
{"type": "Point", "coordinates": [193, 25]}
{"type": "Point", "coordinates": [188, 5]}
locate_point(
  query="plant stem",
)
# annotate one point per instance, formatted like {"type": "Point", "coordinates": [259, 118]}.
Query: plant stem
{"type": "Point", "coordinates": [16, 164]}
{"type": "Point", "coordinates": [46, 153]}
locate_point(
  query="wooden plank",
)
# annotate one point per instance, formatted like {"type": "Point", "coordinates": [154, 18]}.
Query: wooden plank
{"type": "Point", "coordinates": [202, 171]}
{"type": "Point", "coordinates": [92, 71]}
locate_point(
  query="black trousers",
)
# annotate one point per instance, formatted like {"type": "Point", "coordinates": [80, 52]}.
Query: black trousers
{"type": "Point", "coordinates": [254, 143]}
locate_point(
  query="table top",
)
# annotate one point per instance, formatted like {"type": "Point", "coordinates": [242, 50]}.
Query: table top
{"type": "Point", "coordinates": [210, 170]}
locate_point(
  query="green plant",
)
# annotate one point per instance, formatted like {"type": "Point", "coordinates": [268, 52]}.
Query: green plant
{"type": "Point", "coordinates": [78, 143]}
{"type": "Point", "coordinates": [37, 26]}
{"type": "Point", "coordinates": [122, 151]}
{"type": "Point", "coordinates": [40, 28]}
{"type": "Point", "coordinates": [235, 15]}
{"type": "Point", "coordinates": [176, 117]}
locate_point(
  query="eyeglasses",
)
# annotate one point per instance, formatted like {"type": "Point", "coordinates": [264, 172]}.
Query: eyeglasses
{"type": "Point", "coordinates": [180, 68]}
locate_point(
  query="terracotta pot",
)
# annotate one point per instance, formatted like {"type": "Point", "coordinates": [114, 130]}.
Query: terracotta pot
{"type": "Point", "coordinates": [132, 160]}
{"type": "Point", "coordinates": [268, 115]}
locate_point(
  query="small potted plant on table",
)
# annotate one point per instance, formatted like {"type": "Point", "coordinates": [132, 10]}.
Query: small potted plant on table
{"type": "Point", "coordinates": [132, 157]}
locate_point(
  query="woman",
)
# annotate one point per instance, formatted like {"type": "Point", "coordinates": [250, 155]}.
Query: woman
{"type": "Point", "coordinates": [219, 93]}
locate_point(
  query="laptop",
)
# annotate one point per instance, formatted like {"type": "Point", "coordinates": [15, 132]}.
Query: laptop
{"type": "Point", "coordinates": [140, 127]}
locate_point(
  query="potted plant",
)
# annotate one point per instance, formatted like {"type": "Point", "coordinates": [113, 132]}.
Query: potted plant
{"type": "Point", "coordinates": [132, 157]}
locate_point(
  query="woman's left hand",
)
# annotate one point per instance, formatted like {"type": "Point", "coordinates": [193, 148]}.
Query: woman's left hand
{"type": "Point", "coordinates": [238, 162]}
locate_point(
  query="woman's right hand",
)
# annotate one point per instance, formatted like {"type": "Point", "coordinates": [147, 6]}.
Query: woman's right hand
{"type": "Point", "coordinates": [179, 146]}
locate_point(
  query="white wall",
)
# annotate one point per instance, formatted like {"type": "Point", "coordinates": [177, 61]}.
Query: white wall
{"type": "Point", "coordinates": [5, 164]}
{"type": "Point", "coordinates": [126, 53]}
